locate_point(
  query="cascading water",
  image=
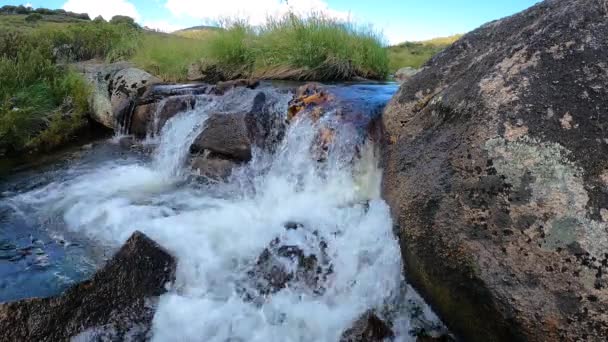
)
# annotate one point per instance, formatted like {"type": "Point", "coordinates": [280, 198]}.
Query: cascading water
{"type": "Point", "coordinates": [218, 231]}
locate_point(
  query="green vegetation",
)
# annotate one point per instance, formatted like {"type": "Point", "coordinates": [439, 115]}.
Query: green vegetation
{"type": "Point", "coordinates": [292, 47]}
{"type": "Point", "coordinates": [42, 102]}
{"type": "Point", "coordinates": [168, 56]}
{"type": "Point", "coordinates": [415, 54]}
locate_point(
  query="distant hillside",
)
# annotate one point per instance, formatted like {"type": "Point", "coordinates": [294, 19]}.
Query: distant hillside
{"type": "Point", "coordinates": [198, 32]}
{"type": "Point", "coordinates": [415, 54]}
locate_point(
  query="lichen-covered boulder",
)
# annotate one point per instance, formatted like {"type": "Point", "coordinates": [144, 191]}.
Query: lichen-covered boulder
{"type": "Point", "coordinates": [496, 169]}
{"type": "Point", "coordinates": [117, 304]}
{"type": "Point", "coordinates": [113, 89]}
{"type": "Point", "coordinates": [125, 88]}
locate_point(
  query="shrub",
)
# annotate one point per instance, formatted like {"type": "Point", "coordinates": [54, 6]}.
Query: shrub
{"type": "Point", "coordinates": [34, 17]}
{"type": "Point", "coordinates": [123, 20]}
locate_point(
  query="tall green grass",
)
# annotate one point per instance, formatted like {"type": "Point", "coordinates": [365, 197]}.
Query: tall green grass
{"type": "Point", "coordinates": [42, 102]}
{"type": "Point", "coordinates": [41, 105]}
{"type": "Point", "coordinates": [315, 47]}
{"type": "Point", "coordinates": [324, 48]}
{"type": "Point", "coordinates": [168, 56]}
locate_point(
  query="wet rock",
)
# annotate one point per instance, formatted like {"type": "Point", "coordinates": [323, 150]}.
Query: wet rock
{"type": "Point", "coordinates": [368, 328]}
{"type": "Point", "coordinates": [215, 168]}
{"type": "Point", "coordinates": [225, 134]}
{"type": "Point", "coordinates": [222, 87]}
{"type": "Point", "coordinates": [405, 74]}
{"type": "Point", "coordinates": [149, 118]}
{"type": "Point", "coordinates": [310, 99]}
{"type": "Point", "coordinates": [266, 128]}
{"type": "Point", "coordinates": [125, 87]}
{"type": "Point", "coordinates": [114, 87]}
{"type": "Point", "coordinates": [118, 302]}
{"type": "Point", "coordinates": [285, 263]}
{"type": "Point", "coordinates": [493, 162]}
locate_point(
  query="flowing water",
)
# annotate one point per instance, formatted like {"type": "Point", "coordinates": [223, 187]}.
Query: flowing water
{"type": "Point", "coordinates": [60, 222]}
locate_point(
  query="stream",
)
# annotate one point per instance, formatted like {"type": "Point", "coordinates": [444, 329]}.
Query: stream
{"type": "Point", "coordinates": [59, 222]}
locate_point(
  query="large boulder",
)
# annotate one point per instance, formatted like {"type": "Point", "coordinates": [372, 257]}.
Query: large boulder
{"type": "Point", "coordinates": [116, 304]}
{"type": "Point", "coordinates": [496, 170]}
{"type": "Point", "coordinates": [225, 134]}
{"type": "Point", "coordinates": [124, 89]}
{"type": "Point", "coordinates": [149, 118]}
{"type": "Point", "coordinates": [114, 88]}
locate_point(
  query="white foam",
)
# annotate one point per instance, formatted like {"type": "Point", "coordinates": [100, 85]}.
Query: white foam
{"type": "Point", "coordinates": [218, 232]}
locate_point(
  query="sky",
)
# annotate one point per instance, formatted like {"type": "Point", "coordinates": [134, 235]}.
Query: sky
{"type": "Point", "coordinates": [398, 20]}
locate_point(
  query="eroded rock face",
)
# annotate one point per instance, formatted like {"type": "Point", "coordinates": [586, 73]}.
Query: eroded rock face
{"type": "Point", "coordinates": [116, 304]}
{"type": "Point", "coordinates": [495, 164]}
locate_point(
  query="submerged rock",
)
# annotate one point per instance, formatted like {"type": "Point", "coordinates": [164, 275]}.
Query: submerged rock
{"type": "Point", "coordinates": [495, 170]}
{"type": "Point", "coordinates": [368, 328]}
{"type": "Point", "coordinates": [285, 263]}
{"type": "Point", "coordinates": [116, 304]}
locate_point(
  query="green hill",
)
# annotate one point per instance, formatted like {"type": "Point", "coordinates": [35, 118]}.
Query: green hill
{"type": "Point", "coordinates": [415, 54]}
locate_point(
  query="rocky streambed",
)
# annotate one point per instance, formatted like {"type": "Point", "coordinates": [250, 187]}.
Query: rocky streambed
{"type": "Point", "coordinates": [267, 203]}
{"type": "Point", "coordinates": [263, 211]}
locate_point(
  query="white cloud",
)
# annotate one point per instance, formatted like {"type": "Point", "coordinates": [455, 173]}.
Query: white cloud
{"type": "Point", "coordinates": [163, 25]}
{"type": "Point", "coordinates": [255, 11]}
{"type": "Point", "coordinates": [106, 8]}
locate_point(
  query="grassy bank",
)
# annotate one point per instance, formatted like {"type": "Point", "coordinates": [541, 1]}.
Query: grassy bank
{"type": "Point", "coordinates": [291, 47]}
{"type": "Point", "coordinates": [42, 102]}
{"type": "Point", "coordinates": [415, 54]}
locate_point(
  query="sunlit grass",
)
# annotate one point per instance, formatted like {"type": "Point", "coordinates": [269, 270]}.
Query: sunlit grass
{"type": "Point", "coordinates": [415, 54]}
{"type": "Point", "coordinates": [168, 56]}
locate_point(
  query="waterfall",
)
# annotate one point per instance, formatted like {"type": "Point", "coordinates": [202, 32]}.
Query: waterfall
{"type": "Point", "coordinates": [218, 232]}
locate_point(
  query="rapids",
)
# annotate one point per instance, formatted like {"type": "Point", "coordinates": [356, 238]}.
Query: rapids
{"type": "Point", "coordinates": [71, 215]}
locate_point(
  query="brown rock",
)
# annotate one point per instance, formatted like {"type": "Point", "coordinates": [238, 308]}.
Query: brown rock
{"type": "Point", "coordinates": [225, 134]}
{"type": "Point", "coordinates": [124, 88]}
{"type": "Point", "coordinates": [368, 328]}
{"type": "Point", "coordinates": [492, 162]}
{"type": "Point", "coordinates": [118, 300]}
{"type": "Point", "coordinates": [212, 167]}
{"type": "Point", "coordinates": [151, 117]}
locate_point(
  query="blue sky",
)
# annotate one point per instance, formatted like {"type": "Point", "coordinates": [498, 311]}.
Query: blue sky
{"type": "Point", "coordinates": [399, 20]}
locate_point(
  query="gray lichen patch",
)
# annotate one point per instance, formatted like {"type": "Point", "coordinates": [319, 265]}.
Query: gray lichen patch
{"type": "Point", "coordinates": [558, 196]}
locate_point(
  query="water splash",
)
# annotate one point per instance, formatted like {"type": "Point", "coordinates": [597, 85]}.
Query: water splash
{"type": "Point", "coordinates": [218, 231]}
